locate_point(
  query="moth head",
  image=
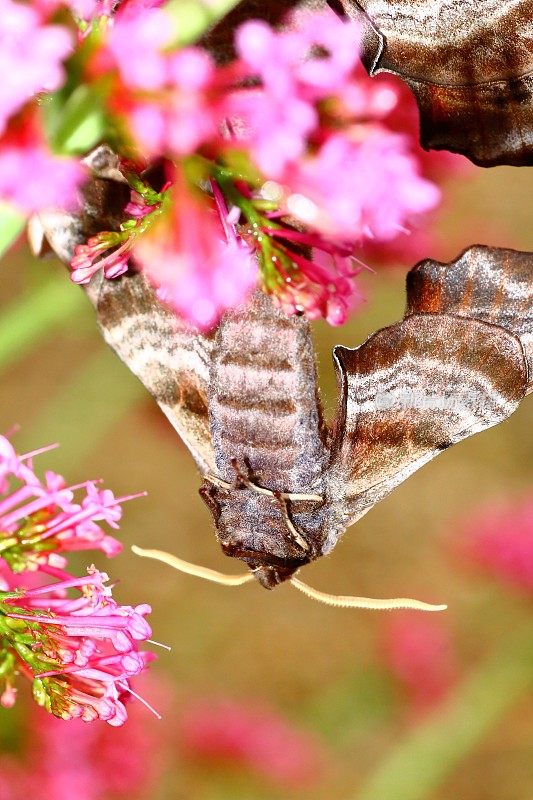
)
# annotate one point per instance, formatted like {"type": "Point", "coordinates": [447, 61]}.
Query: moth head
{"type": "Point", "coordinates": [256, 525]}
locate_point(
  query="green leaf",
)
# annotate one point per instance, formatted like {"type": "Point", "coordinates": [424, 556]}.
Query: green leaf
{"type": "Point", "coordinates": [193, 18]}
{"type": "Point", "coordinates": [79, 124]}
{"type": "Point", "coordinates": [11, 226]}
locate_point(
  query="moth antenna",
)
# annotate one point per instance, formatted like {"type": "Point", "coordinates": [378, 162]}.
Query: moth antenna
{"type": "Point", "coordinates": [194, 569]}
{"type": "Point", "coordinates": [345, 601]}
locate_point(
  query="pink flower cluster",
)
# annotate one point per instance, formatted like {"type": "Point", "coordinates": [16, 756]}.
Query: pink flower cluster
{"type": "Point", "coordinates": [419, 653]}
{"type": "Point", "coordinates": [40, 520]}
{"type": "Point", "coordinates": [311, 149]}
{"type": "Point", "coordinates": [499, 539]}
{"type": "Point", "coordinates": [283, 162]}
{"type": "Point", "coordinates": [81, 651]}
{"type": "Point", "coordinates": [347, 183]}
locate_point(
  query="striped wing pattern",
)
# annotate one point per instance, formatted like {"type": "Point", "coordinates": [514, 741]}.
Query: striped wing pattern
{"type": "Point", "coordinates": [485, 283]}
{"type": "Point", "coordinates": [469, 64]}
{"type": "Point", "coordinates": [171, 359]}
{"type": "Point", "coordinates": [448, 370]}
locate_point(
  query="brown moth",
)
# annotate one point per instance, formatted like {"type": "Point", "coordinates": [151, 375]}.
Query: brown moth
{"type": "Point", "coordinates": [469, 64]}
{"type": "Point", "coordinates": [281, 486]}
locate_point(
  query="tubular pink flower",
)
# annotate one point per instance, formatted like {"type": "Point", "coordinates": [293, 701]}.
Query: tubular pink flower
{"type": "Point", "coordinates": [79, 651]}
{"type": "Point", "coordinates": [39, 521]}
{"type": "Point", "coordinates": [194, 258]}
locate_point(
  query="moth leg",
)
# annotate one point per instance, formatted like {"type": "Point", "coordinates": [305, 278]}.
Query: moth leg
{"type": "Point", "coordinates": [298, 538]}
{"type": "Point", "coordinates": [249, 484]}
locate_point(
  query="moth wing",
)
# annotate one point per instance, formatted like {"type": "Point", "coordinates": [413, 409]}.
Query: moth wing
{"type": "Point", "coordinates": [414, 389]}
{"type": "Point", "coordinates": [169, 358]}
{"type": "Point", "coordinates": [486, 283]}
{"type": "Point", "coordinates": [469, 65]}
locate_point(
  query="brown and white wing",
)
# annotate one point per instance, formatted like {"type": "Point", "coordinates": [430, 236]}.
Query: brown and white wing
{"type": "Point", "coordinates": [417, 387]}
{"type": "Point", "coordinates": [169, 358]}
{"type": "Point", "coordinates": [469, 64]}
{"type": "Point", "coordinates": [486, 283]}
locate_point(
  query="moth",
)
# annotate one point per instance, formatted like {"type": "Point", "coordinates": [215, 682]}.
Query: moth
{"type": "Point", "coordinates": [469, 64]}
{"type": "Point", "coordinates": [281, 485]}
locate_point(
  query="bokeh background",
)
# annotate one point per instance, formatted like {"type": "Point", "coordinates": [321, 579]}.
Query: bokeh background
{"type": "Point", "coordinates": [268, 695]}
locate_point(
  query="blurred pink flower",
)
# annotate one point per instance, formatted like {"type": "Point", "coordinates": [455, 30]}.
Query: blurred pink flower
{"type": "Point", "coordinates": [186, 116]}
{"type": "Point", "coordinates": [31, 55]}
{"type": "Point", "coordinates": [352, 190]}
{"type": "Point", "coordinates": [136, 41]}
{"type": "Point", "coordinates": [256, 738]}
{"type": "Point", "coordinates": [274, 129]}
{"type": "Point", "coordinates": [499, 538]}
{"type": "Point", "coordinates": [419, 653]}
{"type": "Point", "coordinates": [33, 178]}
{"type": "Point", "coordinates": [87, 762]}
{"type": "Point", "coordinates": [195, 259]}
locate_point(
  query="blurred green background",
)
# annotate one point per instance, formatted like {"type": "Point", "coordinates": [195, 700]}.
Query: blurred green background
{"type": "Point", "coordinates": [320, 669]}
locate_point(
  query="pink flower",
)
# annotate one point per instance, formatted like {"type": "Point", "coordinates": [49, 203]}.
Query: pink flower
{"type": "Point", "coordinates": [356, 189]}
{"type": "Point", "coordinates": [40, 521]}
{"type": "Point", "coordinates": [274, 129]}
{"type": "Point", "coordinates": [499, 539]}
{"type": "Point", "coordinates": [89, 258]}
{"type": "Point", "coordinates": [419, 653]}
{"type": "Point", "coordinates": [194, 258]}
{"type": "Point", "coordinates": [31, 56]}
{"type": "Point", "coordinates": [253, 737]}
{"type": "Point", "coordinates": [84, 649]}
{"type": "Point", "coordinates": [136, 42]}
{"type": "Point", "coordinates": [322, 285]}
{"type": "Point", "coordinates": [339, 42]}
{"type": "Point", "coordinates": [185, 116]}
{"type": "Point", "coordinates": [34, 179]}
